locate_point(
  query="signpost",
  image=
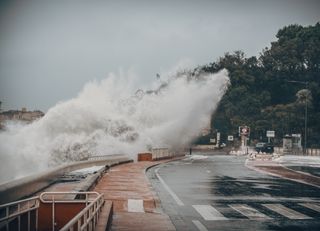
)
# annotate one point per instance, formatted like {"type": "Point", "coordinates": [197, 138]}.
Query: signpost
{"type": "Point", "coordinates": [270, 134]}
{"type": "Point", "coordinates": [218, 139]}
{"type": "Point", "coordinates": [244, 132]}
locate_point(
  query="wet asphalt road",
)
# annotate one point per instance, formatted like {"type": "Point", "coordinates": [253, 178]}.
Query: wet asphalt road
{"type": "Point", "coordinates": [220, 193]}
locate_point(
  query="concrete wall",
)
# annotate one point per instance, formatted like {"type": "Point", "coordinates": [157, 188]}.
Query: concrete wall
{"type": "Point", "coordinates": [310, 151]}
{"type": "Point", "coordinates": [161, 153]}
{"type": "Point", "coordinates": [147, 156]}
{"type": "Point", "coordinates": [313, 152]}
{"type": "Point", "coordinates": [27, 186]}
{"type": "Point", "coordinates": [203, 147]}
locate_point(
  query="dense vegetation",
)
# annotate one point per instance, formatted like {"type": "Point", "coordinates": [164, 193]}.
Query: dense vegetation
{"type": "Point", "coordinates": [261, 95]}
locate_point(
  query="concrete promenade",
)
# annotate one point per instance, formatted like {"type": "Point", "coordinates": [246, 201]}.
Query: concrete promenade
{"type": "Point", "coordinates": [135, 204]}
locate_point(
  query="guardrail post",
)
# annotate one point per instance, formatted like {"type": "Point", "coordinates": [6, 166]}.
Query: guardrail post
{"type": "Point", "coordinates": [53, 223]}
{"type": "Point", "coordinates": [37, 220]}
{"type": "Point", "coordinates": [19, 218]}
{"type": "Point", "coordinates": [7, 214]}
{"type": "Point", "coordinates": [79, 224]}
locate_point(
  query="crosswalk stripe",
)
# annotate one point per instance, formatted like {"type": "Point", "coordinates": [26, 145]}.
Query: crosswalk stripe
{"type": "Point", "coordinates": [284, 211]}
{"type": "Point", "coordinates": [314, 207]}
{"type": "Point", "coordinates": [249, 212]}
{"type": "Point", "coordinates": [209, 213]}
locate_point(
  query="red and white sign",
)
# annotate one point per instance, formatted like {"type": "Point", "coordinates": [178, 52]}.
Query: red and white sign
{"type": "Point", "coordinates": [244, 130]}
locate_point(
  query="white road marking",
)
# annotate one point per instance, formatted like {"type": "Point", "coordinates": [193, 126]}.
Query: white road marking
{"type": "Point", "coordinates": [284, 211]}
{"type": "Point", "coordinates": [135, 206]}
{"type": "Point", "coordinates": [249, 212]}
{"type": "Point", "coordinates": [209, 213]}
{"type": "Point", "coordinates": [314, 207]}
{"type": "Point", "coordinates": [199, 225]}
{"type": "Point", "coordinates": [174, 196]}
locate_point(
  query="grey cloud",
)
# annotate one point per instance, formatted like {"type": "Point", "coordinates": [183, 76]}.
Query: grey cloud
{"type": "Point", "coordinates": [49, 49]}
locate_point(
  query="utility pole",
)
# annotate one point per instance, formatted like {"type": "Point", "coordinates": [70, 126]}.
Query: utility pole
{"type": "Point", "coordinates": [305, 122]}
{"type": "Point", "coordinates": [305, 114]}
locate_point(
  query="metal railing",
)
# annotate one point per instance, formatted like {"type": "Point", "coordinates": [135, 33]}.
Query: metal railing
{"type": "Point", "coordinates": [87, 218]}
{"type": "Point", "coordinates": [11, 211]}
{"type": "Point", "coordinates": [104, 157]}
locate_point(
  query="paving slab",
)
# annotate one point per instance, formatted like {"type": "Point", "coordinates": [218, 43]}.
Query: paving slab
{"type": "Point", "coordinates": [125, 221]}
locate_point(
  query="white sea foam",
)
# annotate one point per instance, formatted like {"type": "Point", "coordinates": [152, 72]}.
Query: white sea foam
{"type": "Point", "coordinates": [110, 117]}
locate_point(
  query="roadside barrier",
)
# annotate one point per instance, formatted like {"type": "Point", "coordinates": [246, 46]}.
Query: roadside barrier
{"type": "Point", "coordinates": [161, 153]}
{"type": "Point", "coordinates": [86, 219]}
{"type": "Point", "coordinates": [309, 152]}
{"type": "Point", "coordinates": [20, 215]}
{"type": "Point", "coordinates": [29, 185]}
{"type": "Point", "coordinates": [313, 151]}
{"type": "Point", "coordinates": [158, 154]}
{"type": "Point", "coordinates": [53, 211]}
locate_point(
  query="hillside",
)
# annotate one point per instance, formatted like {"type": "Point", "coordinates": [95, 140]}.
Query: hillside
{"type": "Point", "coordinates": [269, 92]}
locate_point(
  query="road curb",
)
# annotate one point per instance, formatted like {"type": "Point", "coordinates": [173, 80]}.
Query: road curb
{"type": "Point", "coordinates": [157, 201]}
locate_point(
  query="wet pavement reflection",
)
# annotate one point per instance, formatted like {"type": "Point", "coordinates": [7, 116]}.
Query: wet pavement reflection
{"type": "Point", "coordinates": [220, 193]}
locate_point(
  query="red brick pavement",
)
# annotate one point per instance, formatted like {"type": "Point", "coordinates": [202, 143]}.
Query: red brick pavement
{"type": "Point", "coordinates": [128, 181]}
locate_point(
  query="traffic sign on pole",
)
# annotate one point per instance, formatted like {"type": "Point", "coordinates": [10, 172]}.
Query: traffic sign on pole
{"type": "Point", "coordinates": [244, 131]}
{"type": "Point", "coordinates": [230, 138]}
{"type": "Point", "coordinates": [271, 134]}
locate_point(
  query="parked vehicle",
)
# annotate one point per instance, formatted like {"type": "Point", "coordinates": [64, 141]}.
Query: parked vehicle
{"type": "Point", "coordinates": [264, 147]}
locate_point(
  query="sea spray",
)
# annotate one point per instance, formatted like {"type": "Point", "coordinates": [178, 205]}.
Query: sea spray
{"type": "Point", "coordinates": [113, 116]}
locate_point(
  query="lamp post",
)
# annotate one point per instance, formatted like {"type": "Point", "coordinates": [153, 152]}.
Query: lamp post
{"type": "Point", "coordinates": [305, 114]}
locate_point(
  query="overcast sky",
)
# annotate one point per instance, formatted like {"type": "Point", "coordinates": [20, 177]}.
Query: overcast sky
{"type": "Point", "coordinates": [50, 49]}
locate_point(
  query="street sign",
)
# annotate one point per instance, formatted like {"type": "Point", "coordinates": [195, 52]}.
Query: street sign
{"type": "Point", "coordinates": [244, 131]}
{"type": "Point", "coordinates": [212, 140]}
{"type": "Point", "coordinates": [296, 135]}
{"type": "Point", "coordinates": [271, 134]}
{"type": "Point", "coordinates": [230, 138]}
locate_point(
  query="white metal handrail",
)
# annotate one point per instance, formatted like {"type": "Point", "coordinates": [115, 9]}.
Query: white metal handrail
{"type": "Point", "coordinates": [17, 209]}
{"type": "Point", "coordinates": [54, 197]}
{"type": "Point", "coordinates": [87, 219]}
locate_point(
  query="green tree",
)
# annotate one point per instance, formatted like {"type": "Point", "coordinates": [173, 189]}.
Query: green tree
{"type": "Point", "coordinates": [260, 95]}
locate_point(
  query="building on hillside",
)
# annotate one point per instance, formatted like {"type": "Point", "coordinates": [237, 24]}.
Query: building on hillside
{"type": "Point", "coordinates": [20, 115]}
